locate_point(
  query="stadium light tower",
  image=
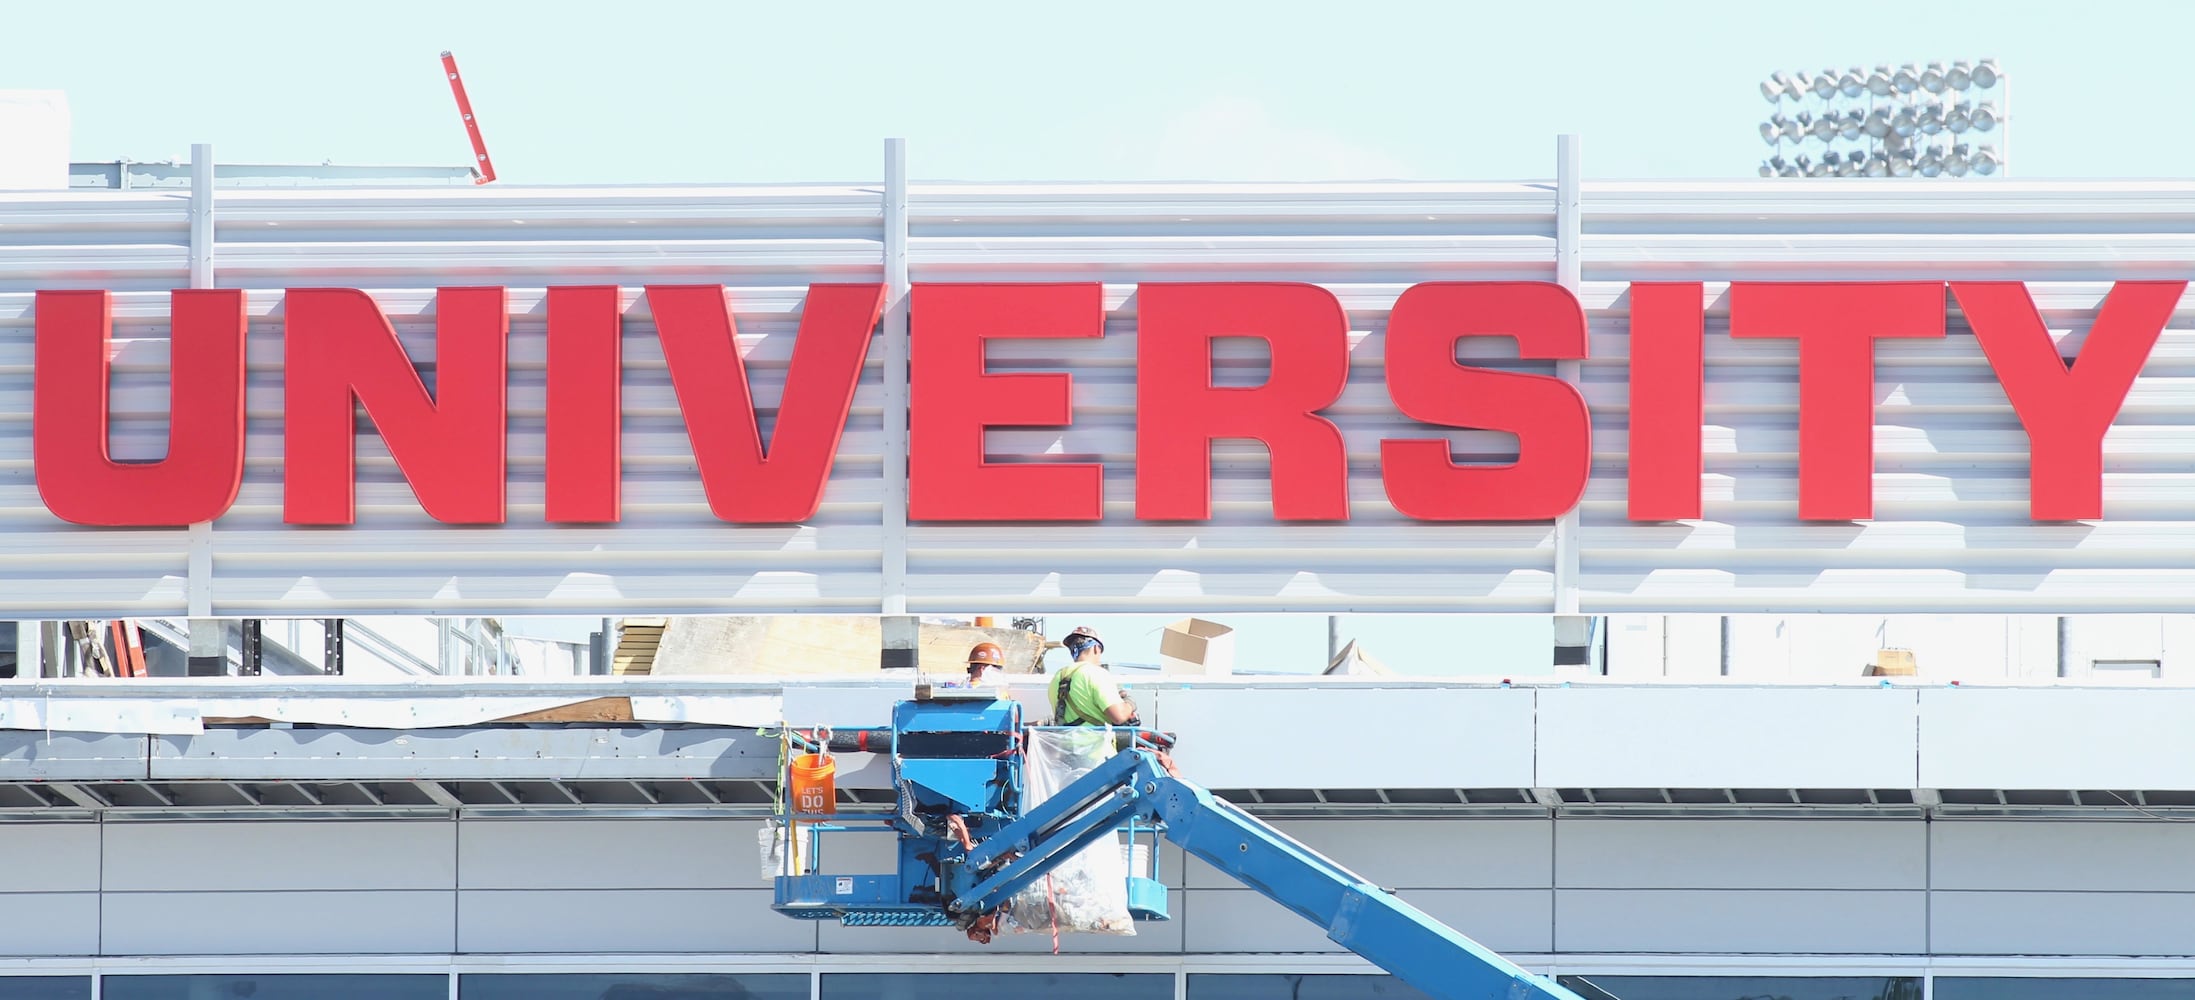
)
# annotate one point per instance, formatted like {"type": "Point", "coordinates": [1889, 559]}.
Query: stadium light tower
{"type": "Point", "coordinates": [1918, 120]}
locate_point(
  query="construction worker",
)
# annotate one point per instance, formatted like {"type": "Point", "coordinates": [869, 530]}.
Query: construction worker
{"type": "Point", "coordinates": [987, 666]}
{"type": "Point", "coordinates": [1084, 693]}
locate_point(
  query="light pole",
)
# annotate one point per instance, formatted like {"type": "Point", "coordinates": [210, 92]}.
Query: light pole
{"type": "Point", "coordinates": [1918, 120]}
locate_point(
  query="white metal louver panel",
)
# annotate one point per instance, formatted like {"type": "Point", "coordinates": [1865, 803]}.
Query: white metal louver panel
{"type": "Point", "coordinates": [1366, 243]}
{"type": "Point", "coordinates": [1951, 529]}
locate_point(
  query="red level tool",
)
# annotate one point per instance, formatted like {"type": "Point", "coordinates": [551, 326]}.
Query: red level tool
{"type": "Point", "coordinates": [472, 125]}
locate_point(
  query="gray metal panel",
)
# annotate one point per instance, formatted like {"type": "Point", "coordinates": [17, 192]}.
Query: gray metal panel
{"type": "Point", "coordinates": [1239, 920]}
{"type": "Point", "coordinates": [2062, 923]}
{"type": "Point", "coordinates": [1741, 854]}
{"type": "Point", "coordinates": [1418, 738]}
{"type": "Point", "coordinates": [279, 923]}
{"type": "Point", "coordinates": [50, 924]}
{"type": "Point", "coordinates": [41, 756]}
{"type": "Point", "coordinates": [2057, 738]}
{"type": "Point", "coordinates": [610, 854]}
{"type": "Point", "coordinates": [1812, 922]}
{"type": "Point", "coordinates": [2141, 856]}
{"type": "Point", "coordinates": [465, 754]}
{"type": "Point", "coordinates": [654, 921]}
{"type": "Point", "coordinates": [1420, 854]}
{"type": "Point", "coordinates": [49, 857]}
{"type": "Point", "coordinates": [222, 857]}
{"type": "Point", "coordinates": [1726, 738]}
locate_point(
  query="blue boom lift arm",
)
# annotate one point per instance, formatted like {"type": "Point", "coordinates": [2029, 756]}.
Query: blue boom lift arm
{"type": "Point", "coordinates": [1359, 916]}
{"type": "Point", "coordinates": [967, 847]}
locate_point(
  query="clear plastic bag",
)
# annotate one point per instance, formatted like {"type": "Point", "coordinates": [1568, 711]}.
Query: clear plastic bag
{"type": "Point", "coordinates": [1087, 893]}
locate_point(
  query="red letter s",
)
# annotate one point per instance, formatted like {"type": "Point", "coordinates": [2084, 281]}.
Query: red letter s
{"type": "Point", "coordinates": [1548, 415]}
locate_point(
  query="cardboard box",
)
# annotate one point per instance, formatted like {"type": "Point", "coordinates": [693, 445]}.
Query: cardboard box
{"type": "Point", "coordinates": [1196, 646]}
{"type": "Point", "coordinates": [1894, 663]}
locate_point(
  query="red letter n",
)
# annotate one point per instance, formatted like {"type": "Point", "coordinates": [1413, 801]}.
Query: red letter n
{"type": "Point", "coordinates": [948, 475]}
{"type": "Point", "coordinates": [1179, 412]}
{"type": "Point", "coordinates": [1837, 325]}
{"type": "Point", "coordinates": [448, 445]}
{"type": "Point", "coordinates": [1548, 415]}
{"type": "Point", "coordinates": [743, 483]}
{"type": "Point", "coordinates": [584, 474]}
{"type": "Point", "coordinates": [2067, 408]}
{"type": "Point", "coordinates": [198, 479]}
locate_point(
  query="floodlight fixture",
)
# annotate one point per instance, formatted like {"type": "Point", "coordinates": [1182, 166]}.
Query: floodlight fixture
{"type": "Point", "coordinates": [1854, 124]}
{"type": "Point", "coordinates": [1872, 123]}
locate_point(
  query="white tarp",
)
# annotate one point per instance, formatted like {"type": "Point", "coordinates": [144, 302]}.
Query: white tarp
{"type": "Point", "coordinates": [1087, 893]}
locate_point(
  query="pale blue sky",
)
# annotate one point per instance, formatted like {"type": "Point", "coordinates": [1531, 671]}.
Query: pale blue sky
{"type": "Point", "coordinates": [639, 92]}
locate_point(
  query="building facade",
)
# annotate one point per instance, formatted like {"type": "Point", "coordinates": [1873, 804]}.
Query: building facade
{"type": "Point", "coordinates": [1576, 398]}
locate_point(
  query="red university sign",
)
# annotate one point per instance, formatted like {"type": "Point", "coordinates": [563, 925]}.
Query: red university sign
{"type": "Point", "coordinates": [450, 445]}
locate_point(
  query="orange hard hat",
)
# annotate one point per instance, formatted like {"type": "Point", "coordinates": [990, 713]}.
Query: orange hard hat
{"type": "Point", "coordinates": [987, 654]}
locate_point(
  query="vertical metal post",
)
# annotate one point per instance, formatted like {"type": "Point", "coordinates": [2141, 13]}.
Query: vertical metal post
{"type": "Point", "coordinates": [331, 653]}
{"type": "Point", "coordinates": [209, 643]}
{"type": "Point", "coordinates": [2065, 646]}
{"type": "Point", "coordinates": [50, 649]}
{"type": "Point", "coordinates": [894, 354]}
{"type": "Point", "coordinates": [1725, 644]}
{"type": "Point", "coordinates": [252, 643]}
{"type": "Point", "coordinates": [1333, 637]}
{"type": "Point", "coordinates": [1569, 234]}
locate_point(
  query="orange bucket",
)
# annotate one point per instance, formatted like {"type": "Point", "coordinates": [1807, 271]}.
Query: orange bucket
{"type": "Point", "coordinates": [815, 784]}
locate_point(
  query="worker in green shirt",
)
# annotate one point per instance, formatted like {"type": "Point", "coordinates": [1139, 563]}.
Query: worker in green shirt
{"type": "Point", "coordinates": [1084, 693]}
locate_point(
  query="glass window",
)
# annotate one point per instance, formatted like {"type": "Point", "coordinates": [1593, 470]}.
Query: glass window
{"type": "Point", "coordinates": [1745, 987]}
{"type": "Point", "coordinates": [1289, 986]}
{"type": "Point", "coordinates": [2042, 988]}
{"type": "Point", "coordinates": [963, 985]}
{"type": "Point", "coordinates": [363, 986]}
{"type": "Point", "coordinates": [45, 987]}
{"type": "Point", "coordinates": [634, 986]}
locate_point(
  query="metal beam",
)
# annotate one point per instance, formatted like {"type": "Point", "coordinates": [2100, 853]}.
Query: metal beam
{"type": "Point", "coordinates": [893, 592]}
{"type": "Point", "coordinates": [439, 795]}
{"type": "Point", "coordinates": [1569, 271]}
{"type": "Point", "coordinates": [82, 797]}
